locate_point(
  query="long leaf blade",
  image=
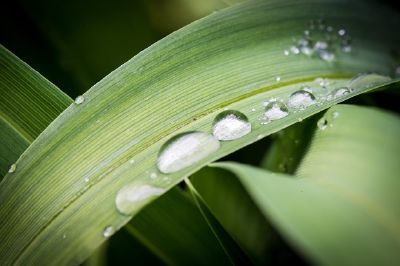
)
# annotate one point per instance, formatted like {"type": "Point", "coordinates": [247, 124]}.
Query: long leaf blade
{"type": "Point", "coordinates": [225, 60]}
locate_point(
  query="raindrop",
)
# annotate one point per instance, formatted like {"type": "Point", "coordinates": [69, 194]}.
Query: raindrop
{"type": "Point", "coordinates": [185, 150]}
{"type": "Point", "coordinates": [322, 124]}
{"type": "Point", "coordinates": [230, 125]}
{"type": "Point", "coordinates": [128, 198]}
{"type": "Point", "coordinates": [286, 52]}
{"type": "Point", "coordinates": [367, 80]}
{"type": "Point", "coordinates": [340, 92]}
{"type": "Point", "coordinates": [301, 99]}
{"type": "Point", "coordinates": [80, 99]}
{"type": "Point", "coordinates": [294, 50]}
{"type": "Point", "coordinates": [153, 175]}
{"type": "Point", "coordinates": [326, 55]}
{"type": "Point", "coordinates": [86, 179]}
{"type": "Point", "coordinates": [335, 114]}
{"type": "Point", "coordinates": [253, 109]}
{"type": "Point", "coordinates": [278, 79]}
{"type": "Point", "coordinates": [341, 32]}
{"type": "Point", "coordinates": [131, 161]}
{"type": "Point", "coordinates": [108, 231]}
{"type": "Point", "coordinates": [12, 168]}
{"type": "Point", "coordinates": [275, 110]}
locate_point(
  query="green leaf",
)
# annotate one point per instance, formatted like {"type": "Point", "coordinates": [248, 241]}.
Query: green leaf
{"type": "Point", "coordinates": [29, 103]}
{"type": "Point", "coordinates": [68, 179]}
{"type": "Point", "coordinates": [288, 147]}
{"type": "Point", "coordinates": [237, 213]}
{"type": "Point", "coordinates": [174, 229]}
{"type": "Point", "coordinates": [344, 210]}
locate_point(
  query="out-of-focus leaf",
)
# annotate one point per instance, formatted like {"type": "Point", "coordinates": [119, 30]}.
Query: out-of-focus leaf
{"type": "Point", "coordinates": [174, 229]}
{"type": "Point", "coordinates": [28, 104]}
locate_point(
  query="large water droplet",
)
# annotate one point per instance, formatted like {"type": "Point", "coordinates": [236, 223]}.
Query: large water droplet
{"type": "Point", "coordinates": [108, 231]}
{"type": "Point", "coordinates": [185, 150]}
{"type": "Point", "coordinates": [230, 125]}
{"type": "Point", "coordinates": [301, 99]}
{"type": "Point", "coordinates": [275, 110]}
{"type": "Point", "coordinates": [129, 197]}
{"type": "Point", "coordinates": [367, 80]}
{"type": "Point", "coordinates": [12, 168]}
{"type": "Point", "coordinates": [80, 99]}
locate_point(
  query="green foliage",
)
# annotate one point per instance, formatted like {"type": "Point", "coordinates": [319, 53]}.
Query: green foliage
{"type": "Point", "coordinates": [334, 200]}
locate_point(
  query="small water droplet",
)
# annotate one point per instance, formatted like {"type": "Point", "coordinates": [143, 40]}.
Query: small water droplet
{"type": "Point", "coordinates": [278, 79]}
{"type": "Point", "coordinates": [301, 99]}
{"type": "Point", "coordinates": [185, 150]}
{"type": "Point", "coordinates": [294, 50]}
{"type": "Point", "coordinates": [286, 52]}
{"type": "Point", "coordinates": [131, 161]}
{"type": "Point", "coordinates": [253, 109]}
{"type": "Point", "coordinates": [64, 236]}
{"type": "Point", "coordinates": [128, 198]}
{"type": "Point", "coordinates": [335, 114]}
{"type": "Point", "coordinates": [342, 32]}
{"type": "Point", "coordinates": [340, 92]}
{"type": "Point", "coordinates": [12, 168]}
{"type": "Point", "coordinates": [367, 80]}
{"type": "Point", "coordinates": [87, 179]}
{"type": "Point", "coordinates": [322, 124]}
{"type": "Point", "coordinates": [259, 137]}
{"type": "Point", "coordinates": [275, 110]}
{"type": "Point", "coordinates": [108, 231]}
{"type": "Point", "coordinates": [79, 100]}
{"type": "Point", "coordinates": [326, 55]}
{"type": "Point", "coordinates": [230, 125]}
{"type": "Point", "coordinates": [153, 175]}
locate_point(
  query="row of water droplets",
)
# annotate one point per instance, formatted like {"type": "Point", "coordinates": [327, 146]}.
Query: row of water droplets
{"type": "Point", "coordinates": [321, 40]}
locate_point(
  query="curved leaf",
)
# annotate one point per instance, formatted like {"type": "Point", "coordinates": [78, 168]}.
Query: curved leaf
{"type": "Point", "coordinates": [68, 179]}
{"type": "Point", "coordinates": [345, 209]}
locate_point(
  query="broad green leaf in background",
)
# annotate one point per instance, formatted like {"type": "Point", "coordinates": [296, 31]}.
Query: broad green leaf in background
{"type": "Point", "coordinates": [174, 229]}
{"type": "Point", "coordinates": [230, 59]}
{"type": "Point", "coordinates": [344, 210]}
{"type": "Point", "coordinates": [232, 206]}
{"type": "Point", "coordinates": [288, 147]}
{"type": "Point", "coordinates": [28, 104]}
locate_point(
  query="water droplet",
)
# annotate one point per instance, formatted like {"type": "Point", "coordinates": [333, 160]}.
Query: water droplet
{"type": "Point", "coordinates": [259, 137]}
{"type": "Point", "coordinates": [335, 114]}
{"type": "Point", "coordinates": [80, 99]}
{"type": "Point", "coordinates": [128, 199]}
{"type": "Point", "coordinates": [367, 80]}
{"type": "Point", "coordinates": [230, 125]}
{"type": "Point", "coordinates": [286, 52]}
{"type": "Point", "coordinates": [108, 231]}
{"type": "Point", "coordinates": [253, 109]}
{"type": "Point", "coordinates": [322, 124]}
{"type": "Point", "coordinates": [326, 55]}
{"type": "Point", "coordinates": [340, 92]}
{"type": "Point", "coordinates": [12, 168]}
{"type": "Point", "coordinates": [131, 161]}
{"type": "Point", "coordinates": [275, 110]}
{"type": "Point", "coordinates": [294, 50]}
{"type": "Point", "coordinates": [185, 150]}
{"type": "Point", "coordinates": [153, 175]}
{"type": "Point", "coordinates": [341, 32]}
{"type": "Point", "coordinates": [278, 79]}
{"type": "Point", "coordinates": [64, 236]}
{"type": "Point", "coordinates": [301, 99]}
{"type": "Point", "coordinates": [87, 179]}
